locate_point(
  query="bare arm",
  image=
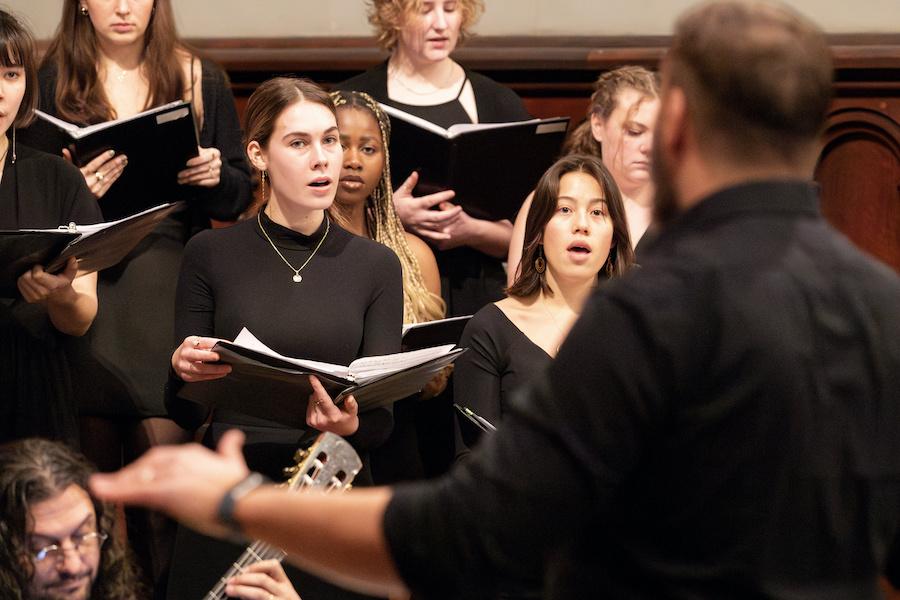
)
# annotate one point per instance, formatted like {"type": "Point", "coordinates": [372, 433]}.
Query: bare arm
{"type": "Point", "coordinates": [342, 537]}
{"type": "Point", "coordinates": [71, 302]}
{"type": "Point", "coordinates": [427, 263]}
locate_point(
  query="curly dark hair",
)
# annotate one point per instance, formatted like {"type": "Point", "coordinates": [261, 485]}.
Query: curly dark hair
{"type": "Point", "coordinates": [34, 470]}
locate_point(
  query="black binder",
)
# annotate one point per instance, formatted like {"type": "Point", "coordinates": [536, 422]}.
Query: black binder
{"type": "Point", "coordinates": [492, 167]}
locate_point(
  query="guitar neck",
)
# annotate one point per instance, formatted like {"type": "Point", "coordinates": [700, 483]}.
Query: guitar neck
{"type": "Point", "coordinates": [257, 552]}
{"type": "Point", "coordinates": [329, 466]}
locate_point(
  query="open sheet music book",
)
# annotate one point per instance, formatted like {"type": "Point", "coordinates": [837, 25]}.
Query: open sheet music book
{"type": "Point", "coordinates": [96, 247]}
{"type": "Point", "coordinates": [492, 167]}
{"type": "Point", "coordinates": [271, 386]}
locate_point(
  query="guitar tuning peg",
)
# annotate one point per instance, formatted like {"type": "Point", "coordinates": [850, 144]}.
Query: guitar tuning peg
{"type": "Point", "coordinates": [288, 471]}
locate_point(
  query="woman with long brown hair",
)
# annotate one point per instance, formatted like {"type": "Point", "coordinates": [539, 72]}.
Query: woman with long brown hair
{"type": "Point", "coordinates": [114, 59]}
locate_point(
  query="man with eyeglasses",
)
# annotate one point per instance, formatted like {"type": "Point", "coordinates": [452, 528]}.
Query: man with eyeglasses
{"type": "Point", "coordinates": [54, 535]}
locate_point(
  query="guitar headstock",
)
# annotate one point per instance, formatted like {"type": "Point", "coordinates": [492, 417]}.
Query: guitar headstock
{"type": "Point", "coordinates": [330, 463]}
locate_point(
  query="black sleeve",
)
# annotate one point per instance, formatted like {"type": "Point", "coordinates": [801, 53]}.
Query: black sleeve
{"type": "Point", "coordinates": [477, 372]}
{"type": "Point", "coordinates": [194, 315]}
{"type": "Point", "coordinates": [383, 330]}
{"type": "Point", "coordinates": [222, 130]}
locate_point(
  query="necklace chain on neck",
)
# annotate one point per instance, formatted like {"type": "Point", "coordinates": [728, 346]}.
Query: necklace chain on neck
{"type": "Point", "coordinates": [441, 88]}
{"type": "Point", "coordinates": [552, 318]}
{"type": "Point", "coordinates": [297, 278]}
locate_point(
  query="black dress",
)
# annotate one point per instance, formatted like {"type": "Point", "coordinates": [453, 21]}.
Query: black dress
{"type": "Point", "coordinates": [38, 191]}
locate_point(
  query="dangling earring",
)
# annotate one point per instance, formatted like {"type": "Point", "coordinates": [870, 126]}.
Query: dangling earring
{"type": "Point", "coordinates": [610, 261]}
{"type": "Point", "coordinates": [84, 10]}
{"type": "Point", "coordinates": [13, 161]}
{"type": "Point", "coordinates": [262, 184]}
{"type": "Point", "coordinates": [539, 264]}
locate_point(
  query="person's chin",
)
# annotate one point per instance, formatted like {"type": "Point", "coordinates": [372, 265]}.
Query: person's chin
{"type": "Point", "coordinates": [76, 591]}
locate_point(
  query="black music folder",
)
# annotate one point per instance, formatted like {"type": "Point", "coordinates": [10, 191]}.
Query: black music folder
{"type": "Point", "coordinates": [492, 167]}
{"type": "Point", "coordinates": [265, 384]}
{"type": "Point", "coordinates": [96, 247]}
{"type": "Point", "coordinates": [434, 333]}
{"type": "Point", "coordinates": [158, 143]}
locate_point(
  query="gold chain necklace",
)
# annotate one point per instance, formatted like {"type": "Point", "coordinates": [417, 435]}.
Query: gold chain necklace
{"type": "Point", "coordinates": [297, 278]}
{"type": "Point", "coordinates": [398, 79]}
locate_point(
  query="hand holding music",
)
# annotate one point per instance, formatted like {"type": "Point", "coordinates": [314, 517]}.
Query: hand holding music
{"type": "Point", "coordinates": [416, 213]}
{"type": "Point", "coordinates": [203, 170]}
{"type": "Point", "coordinates": [264, 580]}
{"type": "Point", "coordinates": [101, 172]}
{"type": "Point", "coordinates": [37, 285]}
{"type": "Point", "coordinates": [194, 360]}
{"type": "Point", "coordinates": [437, 384]}
{"type": "Point", "coordinates": [323, 414]}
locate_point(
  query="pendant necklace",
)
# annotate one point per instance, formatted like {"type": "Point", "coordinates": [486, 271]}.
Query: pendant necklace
{"type": "Point", "coordinates": [297, 277]}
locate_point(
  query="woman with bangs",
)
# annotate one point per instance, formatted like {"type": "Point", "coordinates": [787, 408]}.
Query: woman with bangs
{"type": "Point", "coordinates": [41, 313]}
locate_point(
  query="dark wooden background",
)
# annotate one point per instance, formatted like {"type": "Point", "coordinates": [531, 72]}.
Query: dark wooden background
{"type": "Point", "coordinates": [859, 169]}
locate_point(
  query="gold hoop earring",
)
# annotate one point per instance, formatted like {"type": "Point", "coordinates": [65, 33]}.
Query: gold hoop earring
{"type": "Point", "coordinates": [84, 10]}
{"type": "Point", "coordinates": [540, 265]}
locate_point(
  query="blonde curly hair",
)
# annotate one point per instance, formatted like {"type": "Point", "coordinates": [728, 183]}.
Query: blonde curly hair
{"type": "Point", "coordinates": [390, 16]}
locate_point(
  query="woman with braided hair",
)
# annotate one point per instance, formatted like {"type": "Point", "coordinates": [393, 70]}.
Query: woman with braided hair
{"type": "Point", "coordinates": [421, 442]}
{"type": "Point", "coordinates": [364, 202]}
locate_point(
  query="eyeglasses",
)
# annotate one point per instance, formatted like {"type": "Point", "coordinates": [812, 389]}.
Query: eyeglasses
{"type": "Point", "coordinates": [80, 543]}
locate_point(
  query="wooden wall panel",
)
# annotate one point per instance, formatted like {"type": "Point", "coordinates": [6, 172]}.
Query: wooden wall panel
{"type": "Point", "coordinates": [859, 172]}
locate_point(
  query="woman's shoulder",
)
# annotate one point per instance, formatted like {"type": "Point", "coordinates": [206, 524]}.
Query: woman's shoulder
{"type": "Point", "coordinates": [488, 317]}
{"type": "Point", "coordinates": [43, 162]}
{"type": "Point", "coordinates": [496, 102]}
{"type": "Point", "coordinates": [221, 237]}
{"type": "Point", "coordinates": [363, 246]}
{"type": "Point", "coordinates": [372, 82]}
{"type": "Point", "coordinates": [210, 69]}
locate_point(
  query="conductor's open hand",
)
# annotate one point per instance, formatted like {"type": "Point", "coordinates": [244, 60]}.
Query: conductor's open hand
{"type": "Point", "coordinates": [186, 481]}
